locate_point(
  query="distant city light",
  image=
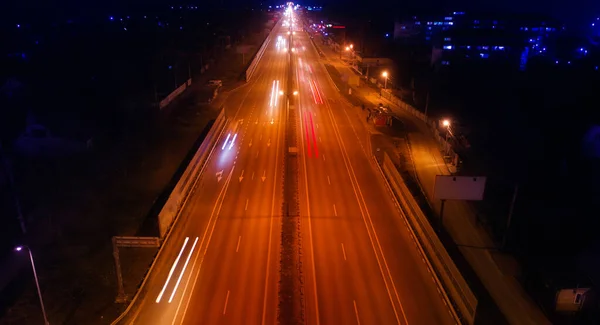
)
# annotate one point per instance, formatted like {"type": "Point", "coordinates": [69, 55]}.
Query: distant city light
{"type": "Point", "coordinates": [18, 25]}
{"type": "Point", "coordinates": [556, 62]}
{"type": "Point", "coordinates": [387, 34]}
{"type": "Point", "coordinates": [111, 18]}
{"type": "Point", "coordinates": [125, 28]}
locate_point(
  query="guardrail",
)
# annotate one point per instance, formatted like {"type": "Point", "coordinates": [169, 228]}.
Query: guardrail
{"type": "Point", "coordinates": [257, 57]}
{"type": "Point", "coordinates": [168, 216]}
{"type": "Point", "coordinates": [446, 274]}
{"type": "Point", "coordinates": [184, 187]}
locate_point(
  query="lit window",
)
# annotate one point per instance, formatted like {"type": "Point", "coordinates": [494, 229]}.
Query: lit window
{"type": "Point", "coordinates": [447, 47]}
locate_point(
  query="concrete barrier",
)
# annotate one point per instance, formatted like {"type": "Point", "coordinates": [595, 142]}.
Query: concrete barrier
{"type": "Point", "coordinates": [256, 59]}
{"type": "Point", "coordinates": [455, 289]}
{"type": "Point", "coordinates": [172, 208]}
{"type": "Point", "coordinates": [174, 94]}
{"type": "Point", "coordinates": [184, 187]}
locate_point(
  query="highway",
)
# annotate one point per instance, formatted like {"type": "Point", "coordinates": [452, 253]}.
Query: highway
{"type": "Point", "coordinates": [220, 264]}
{"type": "Point", "coordinates": [363, 265]}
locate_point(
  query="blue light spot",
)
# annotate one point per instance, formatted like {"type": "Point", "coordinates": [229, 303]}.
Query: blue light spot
{"type": "Point", "coordinates": [387, 35]}
{"type": "Point", "coordinates": [127, 17]}
{"type": "Point", "coordinates": [180, 27]}
{"type": "Point", "coordinates": [447, 47]}
{"type": "Point", "coordinates": [556, 62]}
{"type": "Point", "coordinates": [23, 55]}
{"type": "Point", "coordinates": [170, 67]}
{"type": "Point", "coordinates": [596, 67]}
{"type": "Point", "coordinates": [111, 18]}
{"type": "Point", "coordinates": [125, 28]}
{"type": "Point", "coordinates": [18, 25]}
{"type": "Point", "coordinates": [144, 17]}
{"type": "Point", "coordinates": [568, 62]}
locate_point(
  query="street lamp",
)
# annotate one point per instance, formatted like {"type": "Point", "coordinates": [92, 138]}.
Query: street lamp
{"type": "Point", "coordinates": [446, 123]}
{"type": "Point", "coordinates": [37, 283]}
{"type": "Point", "coordinates": [385, 75]}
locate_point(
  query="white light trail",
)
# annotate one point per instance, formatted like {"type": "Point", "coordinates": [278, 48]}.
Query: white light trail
{"type": "Point", "coordinates": [225, 144]}
{"type": "Point", "coordinates": [172, 270]}
{"type": "Point", "coordinates": [183, 270]}
{"type": "Point", "coordinates": [232, 142]}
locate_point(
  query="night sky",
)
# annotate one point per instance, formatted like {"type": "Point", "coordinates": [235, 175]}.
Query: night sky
{"type": "Point", "coordinates": [573, 12]}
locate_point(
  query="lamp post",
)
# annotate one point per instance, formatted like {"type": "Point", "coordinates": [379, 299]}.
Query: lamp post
{"type": "Point", "coordinates": [37, 283]}
{"type": "Point", "coordinates": [385, 75]}
{"type": "Point", "coordinates": [446, 123]}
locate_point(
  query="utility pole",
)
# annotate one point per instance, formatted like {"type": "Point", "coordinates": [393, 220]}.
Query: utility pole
{"type": "Point", "coordinates": [13, 188]}
{"type": "Point", "coordinates": [427, 103]}
{"type": "Point", "coordinates": [510, 214]}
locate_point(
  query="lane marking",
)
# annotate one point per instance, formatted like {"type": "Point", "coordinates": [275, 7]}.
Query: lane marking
{"type": "Point", "coordinates": [334, 210]}
{"type": "Point", "coordinates": [256, 155]}
{"type": "Point", "coordinates": [328, 180]}
{"type": "Point", "coordinates": [209, 230]}
{"type": "Point", "coordinates": [187, 260]}
{"type": "Point", "coordinates": [238, 244]}
{"type": "Point", "coordinates": [320, 139]}
{"type": "Point", "coordinates": [364, 211]}
{"type": "Point", "coordinates": [252, 175]}
{"type": "Point", "coordinates": [277, 147]}
{"type": "Point", "coordinates": [307, 135]}
{"type": "Point", "coordinates": [241, 176]}
{"type": "Point", "coordinates": [310, 235]}
{"type": "Point", "coordinates": [246, 208]}
{"type": "Point", "coordinates": [323, 156]}
{"type": "Point", "coordinates": [172, 270]}
{"type": "Point", "coordinates": [356, 312]}
{"type": "Point", "coordinates": [226, 300]}
{"type": "Point", "coordinates": [314, 137]}
{"type": "Point", "coordinates": [344, 252]}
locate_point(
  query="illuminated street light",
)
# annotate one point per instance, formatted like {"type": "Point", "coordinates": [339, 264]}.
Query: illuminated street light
{"type": "Point", "coordinates": [351, 45]}
{"type": "Point", "coordinates": [446, 123]}
{"type": "Point", "coordinates": [385, 75]}
{"type": "Point", "coordinates": [295, 92]}
{"type": "Point", "coordinates": [281, 92]}
{"type": "Point", "coordinates": [347, 48]}
{"type": "Point", "coordinates": [37, 284]}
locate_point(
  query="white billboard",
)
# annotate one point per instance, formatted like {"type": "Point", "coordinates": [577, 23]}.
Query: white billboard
{"type": "Point", "coordinates": [468, 188]}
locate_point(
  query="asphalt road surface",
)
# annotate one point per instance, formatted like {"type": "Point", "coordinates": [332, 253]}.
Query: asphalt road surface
{"type": "Point", "coordinates": [362, 265]}
{"type": "Point", "coordinates": [220, 265]}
